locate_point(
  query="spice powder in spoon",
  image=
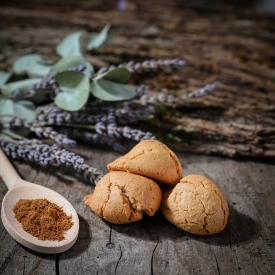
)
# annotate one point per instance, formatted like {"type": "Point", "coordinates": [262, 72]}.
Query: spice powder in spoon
{"type": "Point", "coordinates": [42, 219]}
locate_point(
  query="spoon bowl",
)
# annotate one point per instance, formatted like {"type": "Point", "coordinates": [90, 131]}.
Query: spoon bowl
{"type": "Point", "coordinates": [20, 189]}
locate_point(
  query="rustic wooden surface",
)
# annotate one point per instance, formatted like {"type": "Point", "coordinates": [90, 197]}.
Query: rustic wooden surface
{"type": "Point", "coordinates": [153, 245]}
{"type": "Point", "coordinates": [220, 42]}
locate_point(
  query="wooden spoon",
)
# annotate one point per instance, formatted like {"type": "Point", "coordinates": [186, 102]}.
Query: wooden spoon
{"type": "Point", "coordinates": [20, 189]}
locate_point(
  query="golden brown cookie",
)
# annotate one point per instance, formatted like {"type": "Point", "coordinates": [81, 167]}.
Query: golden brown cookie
{"type": "Point", "coordinates": [121, 197]}
{"type": "Point", "coordinates": [196, 205]}
{"type": "Point", "coordinates": [152, 159]}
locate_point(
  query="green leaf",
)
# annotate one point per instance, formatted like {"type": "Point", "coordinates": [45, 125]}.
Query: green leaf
{"type": "Point", "coordinates": [9, 88]}
{"type": "Point", "coordinates": [75, 88]}
{"type": "Point", "coordinates": [71, 61]}
{"type": "Point", "coordinates": [96, 40]}
{"type": "Point", "coordinates": [6, 137]}
{"type": "Point", "coordinates": [22, 64]}
{"type": "Point", "coordinates": [6, 109]}
{"type": "Point", "coordinates": [23, 109]}
{"type": "Point", "coordinates": [119, 75]}
{"type": "Point", "coordinates": [70, 45]}
{"type": "Point", "coordinates": [111, 91]}
{"type": "Point", "coordinates": [33, 65]}
{"type": "Point", "coordinates": [39, 69]}
{"type": "Point", "coordinates": [4, 77]}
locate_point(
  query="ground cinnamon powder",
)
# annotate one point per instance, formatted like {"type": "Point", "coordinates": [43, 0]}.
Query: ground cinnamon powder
{"type": "Point", "coordinates": [42, 219]}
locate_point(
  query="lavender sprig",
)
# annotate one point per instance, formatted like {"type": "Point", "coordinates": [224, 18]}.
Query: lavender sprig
{"type": "Point", "coordinates": [48, 82]}
{"type": "Point", "coordinates": [152, 65]}
{"type": "Point", "coordinates": [112, 130]}
{"type": "Point", "coordinates": [94, 138]}
{"type": "Point", "coordinates": [46, 109]}
{"type": "Point", "coordinates": [141, 90]}
{"type": "Point", "coordinates": [57, 116]}
{"type": "Point", "coordinates": [146, 100]}
{"type": "Point", "coordinates": [130, 114]}
{"type": "Point", "coordinates": [48, 132]}
{"type": "Point", "coordinates": [52, 115]}
{"type": "Point", "coordinates": [40, 130]}
{"type": "Point", "coordinates": [147, 65]}
{"type": "Point", "coordinates": [44, 154]}
{"type": "Point", "coordinates": [204, 91]}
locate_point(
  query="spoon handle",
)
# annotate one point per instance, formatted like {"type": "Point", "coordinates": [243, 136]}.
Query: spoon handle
{"type": "Point", "coordinates": [7, 172]}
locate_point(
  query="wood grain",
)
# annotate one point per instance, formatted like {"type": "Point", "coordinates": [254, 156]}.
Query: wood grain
{"type": "Point", "coordinates": [220, 42]}
{"type": "Point", "coordinates": [153, 245]}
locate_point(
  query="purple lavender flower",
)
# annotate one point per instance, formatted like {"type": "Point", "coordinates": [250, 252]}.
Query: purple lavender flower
{"type": "Point", "coordinates": [122, 5]}
{"type": "Point", "coordinates": [112, 130]}
{"type": "Point", "coordinates": [40, 130]}
{"type": "Point", "coordinates": [94, 138]}
{"type": "Point", "coordinates": [56, 116]}
{"type": "Point", "coordinates": [147, 100]}
{"type": "Point", "coordinates": [142, 90]}
{"type": "Point", "coordinates": [146, 66]}
{"type": "Point", "coordinates": [130, 114]}
{"type": "Point", "coordinates": [153, 65]}
{"type": "Point", "coordinates": [204, 91]}
{"type": "Point", "coordinates": [48, 132]}
{"type": "Point", "coordinates": [35, 151]}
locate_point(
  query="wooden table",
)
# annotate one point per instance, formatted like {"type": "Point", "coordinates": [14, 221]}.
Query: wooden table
{"type": "Point", "coordinates": [153, 245]}
{"type": "Point", "coordinates": [220, 42]}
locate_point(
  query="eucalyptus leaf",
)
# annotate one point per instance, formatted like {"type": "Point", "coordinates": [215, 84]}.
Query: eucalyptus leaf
{"type": "Point", "coordinates": [4, 77]}
{"type": "Point", "coordinates": [33, 65]}
{"type": "Point", "coordinates": [70, 45]}
{"type": "Point", "coordinates": [75, 89]}
{"type": "Point", "coordinates": [9, 88]}
{"type": "Point", "coordinates": [39, 69]}
{"type": "Point", "coordinates": [96, 40]}
{"type": "Point", "coordinates": [111, 91]}
{"type": "Point", "coordinates": [71, 61]}
{"type": "Point", "coordinates": [23, 109]}
{"type": "Point", "coordinates": [22, 64]}
{"type": "Point", "coordinates": [45, 62]}
{"type": "Point", "coordinates": [26, 110]}
{"type": "Point", "coordinates": [6, 109]}
{"type": "Point", "coordinates": [119, 75]}
{"type": "Point", "coordinates": [6, 137]}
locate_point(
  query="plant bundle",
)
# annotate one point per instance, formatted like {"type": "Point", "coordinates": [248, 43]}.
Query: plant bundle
{"type": "Point", "coordinates": [68, 101]}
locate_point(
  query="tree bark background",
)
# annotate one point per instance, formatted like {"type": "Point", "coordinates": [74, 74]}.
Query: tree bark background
{"type": "Point", "coordinates": [220, 42]}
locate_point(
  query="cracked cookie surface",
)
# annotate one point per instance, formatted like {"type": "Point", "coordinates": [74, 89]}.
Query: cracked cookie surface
{"type": "Point", "coordinates": [120, 197]}
{"type": "Point", "coordinates": [152, 159]}
{"type": "Point", "coordinates": [196, 205]}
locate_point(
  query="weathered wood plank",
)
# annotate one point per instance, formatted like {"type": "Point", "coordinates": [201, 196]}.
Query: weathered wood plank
{"type": "Point", "coordinates": [238, 119]}
{"type": "Point", "coordinates": [153, 245]}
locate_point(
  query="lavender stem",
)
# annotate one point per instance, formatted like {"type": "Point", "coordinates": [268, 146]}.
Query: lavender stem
{"type": "Point", "coordinates": [35, 151]}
